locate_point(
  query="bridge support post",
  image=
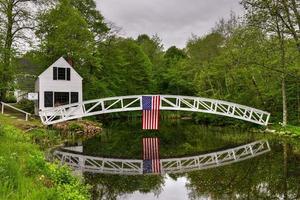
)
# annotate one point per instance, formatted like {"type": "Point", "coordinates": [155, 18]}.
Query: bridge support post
{"type": "Point", "coordinates": [81, 162]}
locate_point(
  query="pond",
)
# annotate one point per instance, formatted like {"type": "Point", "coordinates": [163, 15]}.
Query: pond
{"type": "Point", "coordinates": [272, 175]}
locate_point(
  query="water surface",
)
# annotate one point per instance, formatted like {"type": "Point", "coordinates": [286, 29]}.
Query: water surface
{"type": "Point", "coordinates": [274, 175]}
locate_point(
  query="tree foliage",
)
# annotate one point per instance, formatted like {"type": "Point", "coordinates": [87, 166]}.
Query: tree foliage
{"type": "Point", "coordinates": [15, 18]}
{"type": "Point", "coordinates": [250, 60]}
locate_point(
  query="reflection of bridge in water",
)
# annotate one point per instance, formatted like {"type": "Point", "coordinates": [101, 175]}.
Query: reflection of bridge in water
{"type": "Point", "coordinates": [173, 165]}
{"type": "Point", "coordinates": [167, 102]}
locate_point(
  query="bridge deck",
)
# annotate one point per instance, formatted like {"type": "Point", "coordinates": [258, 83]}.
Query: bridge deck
{"type": "Point", "coordinates": [168, 102]}
{"type": "Point", "coordinates": [173, 165]}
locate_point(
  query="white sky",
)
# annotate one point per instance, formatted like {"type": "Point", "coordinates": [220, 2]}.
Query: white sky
{"type": "Point", "coordinates": [173, 21]}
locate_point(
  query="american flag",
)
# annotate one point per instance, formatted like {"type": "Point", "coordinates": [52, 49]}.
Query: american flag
{"type": "Point", "coordinates": [151, 106]}
{"type": "Point", "coordinates": [151, 162]}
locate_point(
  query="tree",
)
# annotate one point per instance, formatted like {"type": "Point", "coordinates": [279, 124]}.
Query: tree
{"type": "Point", "coordinates": [153, 48]}
{"type": "Point", "coordinates": [64, 32]}
{"type": "Point", "coordinates": [136, 68]}
{"type": "Point", "coordinates": [278, 18]}
{"type": "Point", "coordinates": [15, 19]}
{"type": "Point", "coordinates": [285, 12]}
{"type": "Point", "coordinates": [126, 68]}
{"type": "Point", "coordinates": [204, 49]}
{"type": "Point", "coordinates": [92, 16]}
{"type": "Point", "coordinates": [172, 57]}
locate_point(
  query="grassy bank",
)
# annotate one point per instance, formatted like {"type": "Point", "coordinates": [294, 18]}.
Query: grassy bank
{"type": "Point", "coordinates": [288, 130]}
{"type": "Point", "coordinates": [24, 172]}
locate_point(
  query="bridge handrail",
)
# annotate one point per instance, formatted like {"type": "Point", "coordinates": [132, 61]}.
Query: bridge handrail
{"type": "Point", "coordinates": [183, 103]}
{"type": "Point", "coordinates": [17, 109]}
{"type": "Point", "coordinates": [216, 100]}
{"type": "Point", "coordinates": [138, 96]}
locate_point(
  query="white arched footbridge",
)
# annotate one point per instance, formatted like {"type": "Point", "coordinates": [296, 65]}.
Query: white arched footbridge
{"type": "Point", "coordinates": [167, 102]}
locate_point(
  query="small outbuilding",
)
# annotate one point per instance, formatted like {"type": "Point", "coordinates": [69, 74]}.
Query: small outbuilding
{"type": "Point", "coordinates": [58, 85]}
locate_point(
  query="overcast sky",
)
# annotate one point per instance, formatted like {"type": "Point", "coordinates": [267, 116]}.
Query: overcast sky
{"type": "Point", "coordinates": [173, 21]}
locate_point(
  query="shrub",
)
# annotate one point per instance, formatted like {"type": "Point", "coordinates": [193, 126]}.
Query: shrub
{"type": "Point", "coordinates": [10, 99]}
{"type": "Point", "coordinates": [36, 164]}
{"type": "Point", "coordinates": [25, 174]}
{"type": "Point", "coordinates": [45, 138]}
{"type": "Point", "coordinates": [26, 105]}
{"type": "Point", "coordinates": [73, 192]}
{"type": "Point", "coordinates": [74, 127]}
{"type": "Point", "coordinates": [67, 186]}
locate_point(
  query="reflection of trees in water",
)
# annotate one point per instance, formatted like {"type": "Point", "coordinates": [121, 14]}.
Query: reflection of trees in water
{"type": "Point", "coordinates": [270, 176]}
{"type": "Point", "coordinates": [177, 139]}
{"type": "Point", "coordinates": [110, 186]}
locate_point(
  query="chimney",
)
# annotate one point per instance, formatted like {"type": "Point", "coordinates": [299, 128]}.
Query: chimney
{"type": "Point", "coordinates": [70, 61]}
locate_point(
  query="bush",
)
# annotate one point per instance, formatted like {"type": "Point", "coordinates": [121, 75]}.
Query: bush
{"type": "Point", "coordinates": [74, 127]}
{"type": "Point", "coordinates": [25, 174]}
{"type": "Point", "coordinates": [36, 164]}
{"type": "Point", "coordinates": [45, 138]}
{"type": "Point", "coordinates": [73, 192]}
{"type": "Point", "coordinates": [26, 105]}
{"type": "Point", "coordinates": [10, 99]}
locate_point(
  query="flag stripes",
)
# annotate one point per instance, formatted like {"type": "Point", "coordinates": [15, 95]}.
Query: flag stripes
{"type": "Point", "coordinates": [151, 159]}
{"type": "Point", "coordinates": [151, 105]}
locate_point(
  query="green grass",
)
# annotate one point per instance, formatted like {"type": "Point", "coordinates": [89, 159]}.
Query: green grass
{"type": "Point", "coordinates": [288, 130]}
{"type": "Point", "coordinates": [21, 124]}
{"type": "Point", "coordinates": [295, 130]}
{"type": "Point", "coordinates": [25, 174]}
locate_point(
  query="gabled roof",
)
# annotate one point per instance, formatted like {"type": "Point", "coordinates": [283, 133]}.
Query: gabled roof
{"type": "Point", "coordinates": [61, 62]}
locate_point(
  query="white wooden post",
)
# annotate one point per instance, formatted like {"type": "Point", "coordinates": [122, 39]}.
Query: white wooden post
{"type": "Point", "coordinates": [2, 108]}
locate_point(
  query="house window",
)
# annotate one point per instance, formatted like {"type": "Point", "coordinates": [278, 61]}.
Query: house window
{"type": "Point", "coordinates": [74, 97]}
{"type": "Point", "coordinates": [61, 98]}
{"type": "Point", "coordinates": [60, 73]}
{"type": "Point", "coordinates": [48, 100]}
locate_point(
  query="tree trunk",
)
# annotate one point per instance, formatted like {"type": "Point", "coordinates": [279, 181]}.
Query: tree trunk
{"type": "Point", "coordinates": [284, 102]}
{"type": "Point", "coordinates": [283, 86]}
{"type": "Point", "coordinates": [285, 170]}
{"type": "Point", "coordinates": [283, 76]}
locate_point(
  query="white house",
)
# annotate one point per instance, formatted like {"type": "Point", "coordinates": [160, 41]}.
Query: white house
{"type": "Point", "coordinates": [58, 85]}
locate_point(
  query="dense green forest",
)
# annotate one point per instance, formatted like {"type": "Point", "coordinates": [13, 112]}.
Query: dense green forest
{"type": "Point", "coordinates": [252, 59]}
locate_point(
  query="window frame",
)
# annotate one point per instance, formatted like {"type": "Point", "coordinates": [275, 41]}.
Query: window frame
{"type": "Point", "coordinates": [58, 70]}
{"type": "Point", "coordinates": [56, 98]}
{"type": "Point", "coordinates": [47, 104]}
{"type": "Point", "coordinates": [72, 100]}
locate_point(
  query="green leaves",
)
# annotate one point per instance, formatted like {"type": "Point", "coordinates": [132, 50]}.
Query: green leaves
{"type": "Point", "coordinates": [25, 174]}
{"type": "Point", "coordinates": [64, 31]}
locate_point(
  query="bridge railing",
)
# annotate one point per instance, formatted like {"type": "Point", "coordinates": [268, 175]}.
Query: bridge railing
{"type": "Point", "coordinates": [27, 115]}
{"type": "Point", "coordinates": [173, 165]}
{"type": "Point", "coordinates": [168, 102]}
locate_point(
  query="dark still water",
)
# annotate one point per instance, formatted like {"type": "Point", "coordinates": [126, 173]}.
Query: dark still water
{"type": "Point", "coordinates": [273, 175]}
